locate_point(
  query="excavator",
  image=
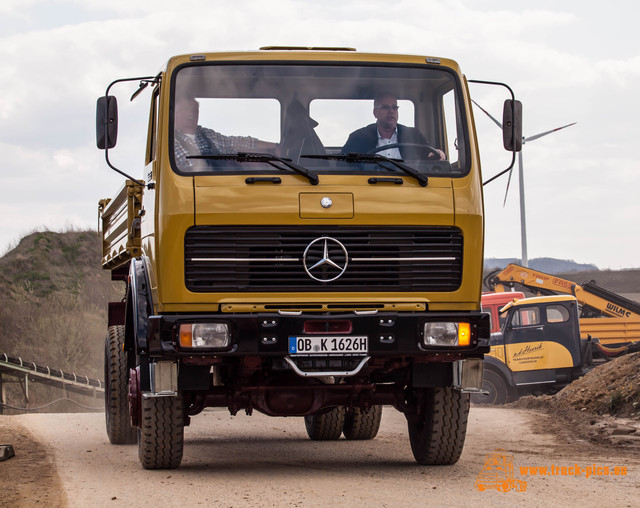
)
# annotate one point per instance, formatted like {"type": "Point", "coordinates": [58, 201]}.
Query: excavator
{"type": "Point", "coordinates": [610, 317]}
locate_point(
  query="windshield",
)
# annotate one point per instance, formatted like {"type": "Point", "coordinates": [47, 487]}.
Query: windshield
{"type": "Point", "coordinates": [325, 118]}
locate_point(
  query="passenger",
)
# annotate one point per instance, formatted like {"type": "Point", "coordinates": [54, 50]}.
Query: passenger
{"type": "Point", "coordinates": [193, 139]}
{"type": "Point", "coordinates": [387, 131]}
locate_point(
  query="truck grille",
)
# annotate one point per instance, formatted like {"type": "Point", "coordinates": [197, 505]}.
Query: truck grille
{"type": "Point", "coordinates": [270, 259]}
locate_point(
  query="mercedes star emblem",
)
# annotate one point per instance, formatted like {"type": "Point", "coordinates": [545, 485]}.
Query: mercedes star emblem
{"type": "Point", "coordinates": [325, 259]}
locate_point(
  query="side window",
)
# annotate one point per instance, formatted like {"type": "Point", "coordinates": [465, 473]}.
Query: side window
{"type": "Point", "coordinates": [152, 136]}
{"type": "Point", "coordinates": [527, 316]}
{"type": "Point", "coordinates": [557, 314]}
{"type": "Point", "coordinates": [502, 319]}
{"type": "Point", "coordinates": [488, 311]}
{"type": "Point", "coordinates": [450, 113]}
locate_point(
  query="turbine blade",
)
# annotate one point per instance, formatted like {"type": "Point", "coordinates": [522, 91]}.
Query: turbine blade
{"type": "Point", "coordinates": [536, 136]}
{"type": "Point", "coordinates": [488, 114]}
{"type": "Point", "coordinates": [506, 192]}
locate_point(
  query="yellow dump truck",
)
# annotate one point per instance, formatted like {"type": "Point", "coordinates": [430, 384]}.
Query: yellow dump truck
{"type": "Point", "coordinates": [305, 239]}
{"type": "Point", "coordinates": [612, 318]}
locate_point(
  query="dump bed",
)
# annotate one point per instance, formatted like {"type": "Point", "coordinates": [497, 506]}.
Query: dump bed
{"type": "Point", "coordinates": [120, 221]}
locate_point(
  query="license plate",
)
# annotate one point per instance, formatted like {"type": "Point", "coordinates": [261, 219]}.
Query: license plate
{"type": "Point", "coordinates": [328, 345]}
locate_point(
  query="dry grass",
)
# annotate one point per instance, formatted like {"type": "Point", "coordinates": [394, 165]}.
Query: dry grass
{"type": "Point", "coordinates": [53, 307]}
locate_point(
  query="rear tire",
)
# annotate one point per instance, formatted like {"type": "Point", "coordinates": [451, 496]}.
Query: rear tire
{"type": "Point", "coordinates": [438, 428]}
{"type": "Point", "coordinates": [161, 434]}
{"type": "Point", "coordinates": [359, 425]}
{"type": "Point", "coordinates": [116, 390]}
{"type": "Point", "coordinates": [325, 426]}
{"type": "Point", "coordinates": [493, 383]}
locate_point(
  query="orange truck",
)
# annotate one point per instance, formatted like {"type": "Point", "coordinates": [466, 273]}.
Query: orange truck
{"type": "Point", "coordinates": [493, 302]}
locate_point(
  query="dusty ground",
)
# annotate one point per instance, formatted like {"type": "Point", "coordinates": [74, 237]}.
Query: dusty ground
{"type": "Point", "coordinates": [602, 407]}
{"type": "Point", "coordinates": [31, 476]}
{"type": "Point", "coordinates": [65, 460]}
{"type": "Point", "coordinates": [260, 461]}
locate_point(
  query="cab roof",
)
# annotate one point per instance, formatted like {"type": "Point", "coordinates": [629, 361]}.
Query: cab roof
{"type": "Point", "coordinates": [538, 299]}
{"type": "Point", "coordinates": [311, 54]}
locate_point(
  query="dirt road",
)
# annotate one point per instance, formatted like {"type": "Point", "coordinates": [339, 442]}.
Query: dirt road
{"type": "Point", "coordinates": [260, 461]}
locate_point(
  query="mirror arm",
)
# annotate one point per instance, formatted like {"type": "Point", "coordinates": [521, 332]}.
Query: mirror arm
{"type": "Point", "coordinates": [513, 125]}
{"type": "Point", "coordinates": [147, 79]}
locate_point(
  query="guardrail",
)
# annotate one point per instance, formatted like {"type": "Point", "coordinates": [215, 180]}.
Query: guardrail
{"type": "Point", "coordinates": [27, 372]}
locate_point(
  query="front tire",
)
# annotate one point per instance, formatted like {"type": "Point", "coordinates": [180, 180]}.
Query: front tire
{"type": "Point", "coordinates": [116, 390]}
{"type": "Point", "coordinates": [493, 383]}
{"type": "Point", "coordinates": [161, 433]}
{"type": "Point", "coordinates": [325, 426]}
{"type": "Point", "coordinates": [438, 427]}
{"type": "Point", "coordinates": [359, 425]}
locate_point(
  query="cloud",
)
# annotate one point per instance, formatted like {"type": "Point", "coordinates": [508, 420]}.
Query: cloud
{"type": "Point", "coordinates": [566, 61]}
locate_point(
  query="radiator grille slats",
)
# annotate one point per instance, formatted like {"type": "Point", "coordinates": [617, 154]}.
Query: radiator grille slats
{"type": "Point", "coordinates": [270, 259]}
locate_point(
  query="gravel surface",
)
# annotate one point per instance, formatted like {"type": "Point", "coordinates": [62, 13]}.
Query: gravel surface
{"type": "Point", "coordinates": [66, 460]}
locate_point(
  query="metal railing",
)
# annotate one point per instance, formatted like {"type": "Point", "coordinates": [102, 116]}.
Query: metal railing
{"type": "Point", "coordinates": [30, 372]}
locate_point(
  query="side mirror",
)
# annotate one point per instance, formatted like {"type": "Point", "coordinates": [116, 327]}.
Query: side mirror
{"type": "Point", "coordinates": [512, 125]}
{"type": "Point", "coordinates": [106, 122]}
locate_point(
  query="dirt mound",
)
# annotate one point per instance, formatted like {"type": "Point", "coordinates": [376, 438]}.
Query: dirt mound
{"type": "Point", "coordinates": [612, 388]}
{"type": "Point", "coordinates": [609, 389]}
{"type": "Point", "coordinates": [602, 407]}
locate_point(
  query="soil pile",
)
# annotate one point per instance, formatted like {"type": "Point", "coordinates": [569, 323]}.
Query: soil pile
{"type": "Point", "coordinates": [609, 389]}
{"type": "Point", "coordinates": [602, 407]}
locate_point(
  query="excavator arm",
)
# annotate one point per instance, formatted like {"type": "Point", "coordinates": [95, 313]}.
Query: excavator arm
{"type": "Point", "coordinates": [594, 300]}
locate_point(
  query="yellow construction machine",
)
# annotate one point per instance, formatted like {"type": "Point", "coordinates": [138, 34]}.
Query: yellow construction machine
{"type": "Point", "coordinates": [612, 318]}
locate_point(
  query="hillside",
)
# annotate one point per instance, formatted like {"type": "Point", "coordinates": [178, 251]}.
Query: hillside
{"type": "Point", "coordinates": [546, 265]}
{"type": "Point", "coordinates": [53, 297]}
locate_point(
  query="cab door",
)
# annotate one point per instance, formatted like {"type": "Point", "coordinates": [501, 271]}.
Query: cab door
{"type": "Point", "coordinates": [537, 342]}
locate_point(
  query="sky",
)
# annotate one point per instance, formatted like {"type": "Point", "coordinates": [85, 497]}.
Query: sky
{"type": "Point", "coordinates": [569, 61]}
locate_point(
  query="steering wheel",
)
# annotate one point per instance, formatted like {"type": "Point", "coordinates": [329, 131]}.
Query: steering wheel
{"type": "Point", "coordinates": [430, 149]}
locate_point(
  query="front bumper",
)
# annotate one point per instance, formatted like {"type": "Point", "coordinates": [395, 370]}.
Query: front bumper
{"type": "Point", "coordinates": [267, 334]}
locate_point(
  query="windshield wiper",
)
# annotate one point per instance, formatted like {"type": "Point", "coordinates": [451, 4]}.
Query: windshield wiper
{"type": "Point", "coordinates": [375, 159]}
{"type": "Point", "coordinates": [262, 157]}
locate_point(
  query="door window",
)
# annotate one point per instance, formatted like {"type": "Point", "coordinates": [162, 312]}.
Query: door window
{"type": "Point", "coordinates": [526, 316]}
{"type": "Point", "coordinates": [557, 314]}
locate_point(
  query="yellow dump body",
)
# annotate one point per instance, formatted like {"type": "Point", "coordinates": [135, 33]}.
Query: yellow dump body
{"type": "Point", "coordinates": [120, 225]}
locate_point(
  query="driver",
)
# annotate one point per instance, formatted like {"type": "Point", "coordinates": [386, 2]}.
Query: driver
{"type": "Point", "coordinates": [387, 131]}
{"type": "Point", "coordinates": [192, 139]}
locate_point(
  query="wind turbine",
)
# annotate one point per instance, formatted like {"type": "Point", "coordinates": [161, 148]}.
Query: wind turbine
{"type": "Point", "coordinates": [523, 222]}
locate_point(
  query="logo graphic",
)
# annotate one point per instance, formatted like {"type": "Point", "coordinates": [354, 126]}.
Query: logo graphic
{"type": "Point", "coordinates": [325, 259]}
{"type": "Point", "coordinates": [497, 473]}
{"type": "Point", "coordinates": [326, 202]}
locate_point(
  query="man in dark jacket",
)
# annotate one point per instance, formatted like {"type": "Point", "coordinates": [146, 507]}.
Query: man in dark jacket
{"type": "Point", "coordinates": [387, 131]}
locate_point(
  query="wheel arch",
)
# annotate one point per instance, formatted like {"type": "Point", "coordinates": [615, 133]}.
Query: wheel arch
{"type": "Point", "coordinates": [501, 369]}
{"type": "Point", "coordinates": [139, 306]}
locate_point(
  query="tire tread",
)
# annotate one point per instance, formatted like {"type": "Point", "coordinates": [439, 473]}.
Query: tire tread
{"type": "Point", "coordinates": [118, 422]}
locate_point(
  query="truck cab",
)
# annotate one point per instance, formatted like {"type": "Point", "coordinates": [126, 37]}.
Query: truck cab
{"type": "Point", "coordinates": [276, 259]}
{"type": "Point", "coordinates": [537, 350]}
